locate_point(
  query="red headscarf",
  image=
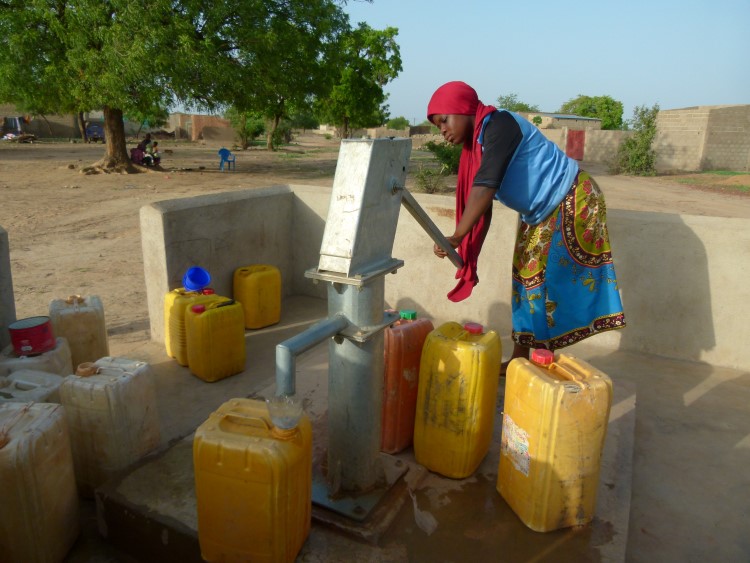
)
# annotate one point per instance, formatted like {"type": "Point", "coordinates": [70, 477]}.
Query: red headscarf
{"type": "Point", "coordinates": [458, 98]}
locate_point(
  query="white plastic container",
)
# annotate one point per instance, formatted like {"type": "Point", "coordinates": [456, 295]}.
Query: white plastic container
{"type": "Point", "coordinates": [39, 519]}
{"type": "Point", "coordinates": [56, 361]}
{"type": "Point", "coordinates": [27, 385]}
{"type": "Point", "coordinates": [81, 321]}
{"type": "Point", "coordinates": [112, 417]}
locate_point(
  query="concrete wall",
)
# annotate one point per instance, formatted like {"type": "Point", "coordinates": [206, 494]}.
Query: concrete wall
{"type": "Point", "coordinates": [677, 274]}
{"type": "Point", "coordinates": [7, 301]}
{"type": "Point", "coordinates": [727, 139]}
{"type": "Point", "coordinates": [680, 136]}
{"type": "Point", "coordinates": [219, 232]}
{"type": "Point", "coordinates": [602, 146]}
{"type": "Point", "coordinates": [703, 138]}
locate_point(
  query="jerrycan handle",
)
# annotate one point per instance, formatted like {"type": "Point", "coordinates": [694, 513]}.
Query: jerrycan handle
{"type": "Point", "coordinates": [546, 359]}
{"type": "Point", "coordinates": [77, 299]}
{"type": "Point", "coordinates": [244, 423]}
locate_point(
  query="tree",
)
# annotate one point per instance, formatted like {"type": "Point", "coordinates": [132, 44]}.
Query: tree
{"type": "Point", "coordinates": [79, 55]}
{"type": "Point", "coordinates": [512, 103]}
{"type": "Point", "coordinates": [368, 60]}
{"type": "Point", "coordinates": [247, 125]}
{"type": "Point", "coordinates": [397, 123]}
{"type": "Point", "coordinates": [636, 155]}
{"type": "Point", "coordinates": [132, 56]}
{"type": "Point", "coordinates": [605, 108]}
{"type": "Point", "coordinates": [287, 53]}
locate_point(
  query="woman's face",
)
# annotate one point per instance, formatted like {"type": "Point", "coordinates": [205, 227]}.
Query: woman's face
{"type": "Point", "coordinates": [456, 129]}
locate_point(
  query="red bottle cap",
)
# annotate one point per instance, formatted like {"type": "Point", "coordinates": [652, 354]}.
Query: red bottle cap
{"type": "Point", "coordinates": [198, 308]}
{"type": "Point", "coordinates": [542, 357]}
{"type": "Point", "coordinates": [208, 291]}
{"type": "Point", "coordinates": [473, 328]}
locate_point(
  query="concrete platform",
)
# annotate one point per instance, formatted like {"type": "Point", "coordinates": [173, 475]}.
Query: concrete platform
{"type": "Point", "coordinates": [149, 514]}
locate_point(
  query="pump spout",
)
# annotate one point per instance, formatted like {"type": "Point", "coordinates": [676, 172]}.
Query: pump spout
{"type": "Point", "coordinates": [287, 351]}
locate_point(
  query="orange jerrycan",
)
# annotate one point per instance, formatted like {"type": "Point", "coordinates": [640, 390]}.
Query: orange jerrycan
{"type": "Point", "coordinates": [458, 380]}
{"type": "Point", "coordinates": [403, 345]}
{"type": "Point", "coordinates": [554, 425]}
{"type": "Point", "coordinates": [258, 288]}
{"type": "Point", "coordinates": [253, 484]}
{"type": "Point", "coordinates": [215, 339]}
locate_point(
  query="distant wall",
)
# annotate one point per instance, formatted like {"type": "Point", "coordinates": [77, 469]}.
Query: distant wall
{"type": "Point", "coordinates": [195, 127]}
{"type": "Point", "coordinates": [680, 136]}
{"type": "Point", "coordinates": [703, 138]}
{"type": "Point", "coordinates": [727, 139]}
{"type": "Point", "coordinates": [602, 146]}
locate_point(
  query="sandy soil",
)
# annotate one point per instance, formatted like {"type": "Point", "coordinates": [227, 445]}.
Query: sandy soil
{"type": "Point", "coordinates": [73, 233]}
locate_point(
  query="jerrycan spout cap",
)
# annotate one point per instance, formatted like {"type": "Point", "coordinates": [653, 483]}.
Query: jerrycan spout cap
{"type": "Point", "coordinates": [473, 328]}
{"type": "Point", "coordinates": [542, 357]}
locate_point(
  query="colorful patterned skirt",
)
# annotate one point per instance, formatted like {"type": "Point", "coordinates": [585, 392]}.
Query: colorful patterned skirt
{"type": "Point", "coordinates": [564, 282]}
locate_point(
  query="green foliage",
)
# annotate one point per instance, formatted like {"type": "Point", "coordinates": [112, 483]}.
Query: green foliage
{"type": "Point", "coordinates": [447, 154]}
{"type": "Point", "coordinates": [537, 120]}
{"type": "Point", "coordinates": [636, 155]}
{"type": "Point", "coordinates": [397, 123]}
{"type": "Point", "coordinates": [282, 134]}
{"type": "Point", "coordinates": [304, 120]}
{"type": "Point", "coordinates": [605, 108]}
{"type": "Point", "coordinates": [367, 60]}
{"type": "Point", "coordinates": [428, 180]}
{"type": "Point", "coordinates": [512, 103]}
{"type": "Point", "coordinates": [131, 56]}
{"type": "Point", "coordinates": [247, 125]}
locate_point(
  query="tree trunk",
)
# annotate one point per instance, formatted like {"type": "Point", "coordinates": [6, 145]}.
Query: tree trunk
{"type": "Point", "coordinates": [82, 127]}
{"type": "Point", "coordinates": [244, 136]}
{"type": "Point", "coordinates": [269, 136]}
{"type": "Point", "coordinates": [116, 157]}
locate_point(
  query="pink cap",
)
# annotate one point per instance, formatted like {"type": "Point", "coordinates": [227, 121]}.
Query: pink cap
{"type": "Point", "coordinates": [542, 357]}
{"type": "Point", "coordinates": [473, 328]}
{"type": "Point", "coordinates": [198, 309]}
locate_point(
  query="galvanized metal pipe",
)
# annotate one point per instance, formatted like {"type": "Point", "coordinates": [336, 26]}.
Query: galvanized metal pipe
{"type": "Point", "coordinates": [287, 351]}
{"type": "Point", "coordinates": [355, 390]}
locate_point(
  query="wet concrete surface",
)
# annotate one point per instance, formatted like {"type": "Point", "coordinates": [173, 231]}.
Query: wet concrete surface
{"type": "Point", "coordinates": [673, 485]}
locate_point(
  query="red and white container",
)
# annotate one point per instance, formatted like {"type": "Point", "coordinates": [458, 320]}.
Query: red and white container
{"type": "Point", "coordinates": [31, 336]}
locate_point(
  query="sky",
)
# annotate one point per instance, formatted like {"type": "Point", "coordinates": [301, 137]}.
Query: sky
{"type": "Point", "coordinates": [641, 52]}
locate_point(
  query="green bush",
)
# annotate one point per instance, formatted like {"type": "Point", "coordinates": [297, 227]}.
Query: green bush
{"type": "Point", "coordinates": [428, 180]}
{"type": "Point", "coordinates": [636, 155]}
{"type": "Point", "coordinates": [447, 154]}
{"type": "Point", "coordinates": [282, 135]}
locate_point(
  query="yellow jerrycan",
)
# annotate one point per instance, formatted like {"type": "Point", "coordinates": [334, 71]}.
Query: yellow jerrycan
{"type": "Point", "coordinates": [253, 483]}
{"type": "Point", "coordinates": [554, 425]}
{"type": "Point", "coordinates": [215, 339]}
{"type": "Point", "coordinates": [176, 303]}
{"type": "Point", "coordinates": [458, 379]}
{"type": "Point", "coordinates": [258, 288]}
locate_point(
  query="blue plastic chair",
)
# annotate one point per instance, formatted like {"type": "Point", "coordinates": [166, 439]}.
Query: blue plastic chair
{"type": "Point", "coordinates": [226, 158]}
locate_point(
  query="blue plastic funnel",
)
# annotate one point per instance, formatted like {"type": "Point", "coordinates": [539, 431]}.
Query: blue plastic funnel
{"type": "Point", "coordinates": [196, 278]}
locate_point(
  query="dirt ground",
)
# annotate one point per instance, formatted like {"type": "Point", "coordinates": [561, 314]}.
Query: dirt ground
{"type": "Point", "coordinates": [71, 233]}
